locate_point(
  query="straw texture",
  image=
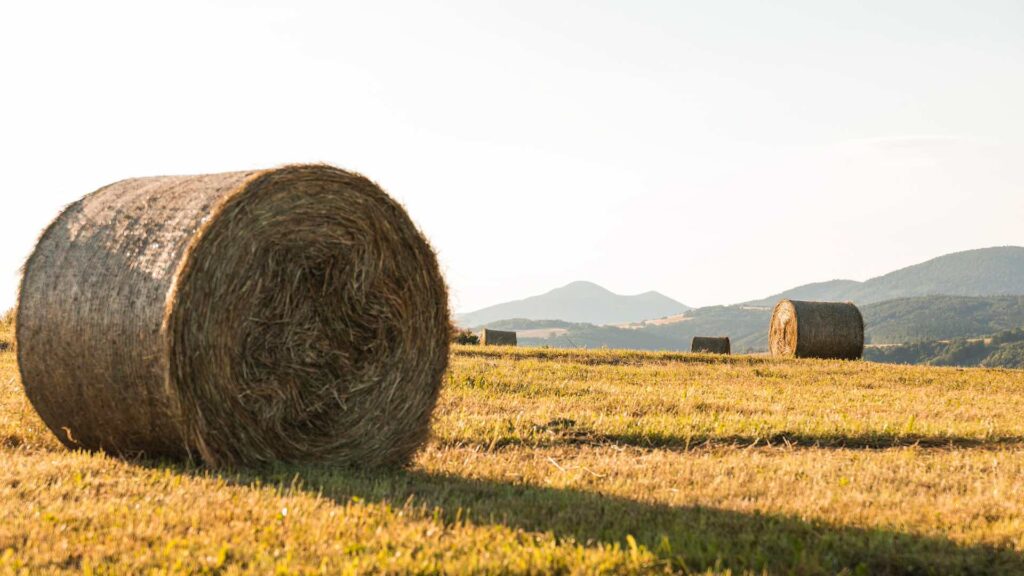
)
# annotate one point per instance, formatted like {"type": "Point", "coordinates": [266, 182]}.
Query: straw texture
{"type": "Point", "coordinates": [710, 345]}
{"type": "Point", "coordinates": [816, 330]}
{"type": "Point", "coordinates": [498, 338]}
{"type": "Point", "coordinates": [293, 314]}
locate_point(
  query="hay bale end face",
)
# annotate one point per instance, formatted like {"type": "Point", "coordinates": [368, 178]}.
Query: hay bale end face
{"type": "Point", "coordinates": [710, 345]}
{"type": "Point", "coordinates": [816, 330]}
{"type": "Point", "coordinates": [498, 338]}
{"type": "Point", "coordinates": [292, 314]}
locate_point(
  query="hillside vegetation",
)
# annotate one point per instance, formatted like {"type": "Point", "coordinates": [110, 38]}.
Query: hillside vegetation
{"type": "Point", "coordinates": [1003, 350]}
{"type": "Point", "coordinates": [573, 462]}
{"type": "Point", "coordinates": [983, 272]}
{"type": "Point", "coordinates": [942, 318]}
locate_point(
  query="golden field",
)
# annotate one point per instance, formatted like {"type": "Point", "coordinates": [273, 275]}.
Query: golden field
{"type": "Point", "coordinates": [547, 461]}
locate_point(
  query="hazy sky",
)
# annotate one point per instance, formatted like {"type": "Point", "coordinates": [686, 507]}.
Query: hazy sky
{"type": "Point", "coordinates": [713, 151]}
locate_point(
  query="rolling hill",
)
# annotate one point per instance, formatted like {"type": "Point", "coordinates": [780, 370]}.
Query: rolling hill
{"type": "Point", "coordinates": [579, 302]}
{"type": "Point", "coordinates": [983, 272]}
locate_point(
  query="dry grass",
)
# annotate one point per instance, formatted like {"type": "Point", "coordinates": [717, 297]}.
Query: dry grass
{"type": "Point", "coordinates": [575, 462]}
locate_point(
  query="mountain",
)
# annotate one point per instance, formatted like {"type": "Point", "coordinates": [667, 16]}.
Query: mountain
{"type": "Point", "coordinates": [982, 272]}
{"type": "Point", "coordinates": [579, 302]}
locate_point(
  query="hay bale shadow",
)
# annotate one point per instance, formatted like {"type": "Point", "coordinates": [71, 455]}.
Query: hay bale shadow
{"type": "Point", "coordinates": [690, 539]}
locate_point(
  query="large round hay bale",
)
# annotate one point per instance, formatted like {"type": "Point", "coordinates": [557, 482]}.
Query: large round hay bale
{"type": "Point", "coordinates": [293, 314]}
{"type": "Point", "coordinates": [816, 330]}
{"type": "Point", "coordinates": [710, 345]}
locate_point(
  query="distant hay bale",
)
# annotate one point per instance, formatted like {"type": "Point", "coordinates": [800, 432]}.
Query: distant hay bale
{"type": "Point", "coordinates": [498, 338]}
{"type": "Point", "coordinates": [4, 346]}
{"type": "Point", "coordinates": [292, 314]}
{"type": "Point", "coordinates": [816, 330]}
{"type": "Point", "coordinates": [711, 345]}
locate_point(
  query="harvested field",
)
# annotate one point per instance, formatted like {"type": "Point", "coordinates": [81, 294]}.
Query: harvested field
{"type": "Point", "coordinates": [575, 462]}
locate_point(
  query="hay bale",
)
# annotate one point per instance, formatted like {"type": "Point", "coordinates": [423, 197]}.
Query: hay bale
{"type": "Point", "coordinates": [4, 346]}
{"type": "Point", "coordinates": [710, 345]}
{"type": "Point", "coordinates": [816, 330]}
{"type": "Point", "coordinates": [291, 314]}
{"type": "Point", "coordinates": [498, 338]}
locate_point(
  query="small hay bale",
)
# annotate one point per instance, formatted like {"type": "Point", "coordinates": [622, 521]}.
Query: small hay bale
{"type": "Point", "coordinates": [816, 330]}
{"type": "Point", "coordinates": [292, 314]}
{"type": "Point", "coordinates": [4, 346]}
{"type": "Point", "coordinates": [498, 338]}
{"type": "Point", "coordinates": [710, 345]}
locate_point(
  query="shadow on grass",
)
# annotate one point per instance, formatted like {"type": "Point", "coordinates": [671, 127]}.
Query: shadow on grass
{"type": "Point", "coordinates": [565, 432]}
{"type": "Point", "coordinates": [686, 538]}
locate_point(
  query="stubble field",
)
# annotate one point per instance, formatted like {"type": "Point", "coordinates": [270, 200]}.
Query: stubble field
{"type": "Point", "coordinates": [549, 461]}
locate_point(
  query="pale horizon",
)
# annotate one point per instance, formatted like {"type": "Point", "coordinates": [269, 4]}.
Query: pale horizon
{"type": "Point", "coordinates": [715, 153]}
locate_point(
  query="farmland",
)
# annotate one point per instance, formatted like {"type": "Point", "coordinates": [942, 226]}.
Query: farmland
{"type": "Point", "coordinates": [573, 462]}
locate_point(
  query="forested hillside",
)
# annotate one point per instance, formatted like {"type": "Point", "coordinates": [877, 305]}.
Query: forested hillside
{"type": "Point", "coordinates": [1003, 350]}
{"type": "Point", "coordinates": [941, 318]}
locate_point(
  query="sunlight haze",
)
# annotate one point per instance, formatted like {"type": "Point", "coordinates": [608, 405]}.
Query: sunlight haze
{"type": "Point", "coordinates": [714, 152]}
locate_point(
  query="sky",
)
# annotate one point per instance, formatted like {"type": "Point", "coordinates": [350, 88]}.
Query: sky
{"type": "Point", "coordinates": [713, 151]}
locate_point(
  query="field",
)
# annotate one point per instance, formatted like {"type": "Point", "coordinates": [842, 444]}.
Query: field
{"type": "Point", "coordinates": [574, 462]}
